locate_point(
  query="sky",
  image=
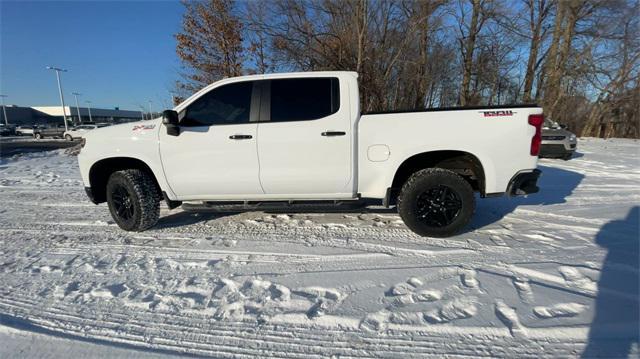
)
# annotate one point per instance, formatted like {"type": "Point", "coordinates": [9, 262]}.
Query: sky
{"type": "Point", "coordinates": [118, 54]}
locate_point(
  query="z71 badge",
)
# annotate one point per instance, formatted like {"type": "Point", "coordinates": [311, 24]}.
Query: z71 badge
{"type": "Point", "coordinates": [143, 127]}
{"type": "Point", "coordinates": [497, 113]}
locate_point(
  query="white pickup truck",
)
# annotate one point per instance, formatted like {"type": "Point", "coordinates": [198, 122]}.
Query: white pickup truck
{"type": "Point", "coordinates": [299, 139]}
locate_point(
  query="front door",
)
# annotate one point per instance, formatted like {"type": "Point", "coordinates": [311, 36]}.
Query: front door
{"type": "Point", "coordinates": [215, 154]}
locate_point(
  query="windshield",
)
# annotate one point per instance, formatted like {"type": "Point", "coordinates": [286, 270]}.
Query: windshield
{"type": "Point", "coordinates": [550, 124]}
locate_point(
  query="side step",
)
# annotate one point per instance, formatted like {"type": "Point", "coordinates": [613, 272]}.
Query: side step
{"type": "Point", "coordinates": [296, 206]}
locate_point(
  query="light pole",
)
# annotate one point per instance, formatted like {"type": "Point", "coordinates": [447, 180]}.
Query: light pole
{"type": "Point", "coordinates": [89, 108]}
{"type": "Point", "coordinates": [64, 111]}
{"type": "Point", "coordinates": [150, 112]}
{"type": "Point", "coordinates": [76, 94]}
{"type": "Point", "coordinates": [4, 111]}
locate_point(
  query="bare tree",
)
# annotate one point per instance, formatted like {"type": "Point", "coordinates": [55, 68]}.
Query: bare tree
{"type": "Point", "coordinates": [617, 77]}
{"type": "Point", "coordinates": [578, 58]}
{"type": "Point", "coordinates": [468, 34]}
{"type": "Point", "coordinates": [210, 43]}
{"type": "Point", "coordinates": [258, 49]}
{"type": "Point", "coordinates": [539, 11]}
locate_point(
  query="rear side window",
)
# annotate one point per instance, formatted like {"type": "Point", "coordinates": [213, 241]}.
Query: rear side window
{"type": "Point", "coordinates": [226, 105]}
{"type": "Point", "coordinates": [304, 99]}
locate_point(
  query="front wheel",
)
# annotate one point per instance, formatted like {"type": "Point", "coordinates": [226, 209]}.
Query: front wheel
{"type": "Point", "coordinates": [436, 202]}
{"type": "Point", "coordinates": [38, 136]}
{"type": "Point", "coordinates": [68, 138]}
{"type": "Point", "coordinates": [133, 200]}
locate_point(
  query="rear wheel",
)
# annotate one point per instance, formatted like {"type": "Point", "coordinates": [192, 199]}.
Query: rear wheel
{"type": "Point", "coordinates": [436, 202]}
{"type": "Point", "coordinates": [133, 200]}
{"type": "Point", "coordinates": [38, 136]}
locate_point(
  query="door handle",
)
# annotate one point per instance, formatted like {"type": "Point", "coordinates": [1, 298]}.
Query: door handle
{"type": "Point", "coordinates": [240, 137]}
{"type": "Point", "coordinates": [333, 133]}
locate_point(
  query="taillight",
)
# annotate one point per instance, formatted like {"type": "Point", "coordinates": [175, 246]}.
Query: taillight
{"type": "Point", "coordinates": [536, 121]}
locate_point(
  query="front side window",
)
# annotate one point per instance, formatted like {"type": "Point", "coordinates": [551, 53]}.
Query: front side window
{"type": "Point", "coordinates": [304, 99]}
{"type": "Point", "coordinates": [226, 105]}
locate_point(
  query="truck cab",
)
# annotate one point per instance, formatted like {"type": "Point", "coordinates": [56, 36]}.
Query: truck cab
{"type": "Point", "coordinates": [273, 138]}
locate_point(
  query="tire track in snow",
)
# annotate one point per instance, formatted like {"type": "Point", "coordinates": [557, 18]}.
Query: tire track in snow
{"type": "Point", "coordinates": [352, 239]}
{"type": "Point", "coordinates": [282, 340]}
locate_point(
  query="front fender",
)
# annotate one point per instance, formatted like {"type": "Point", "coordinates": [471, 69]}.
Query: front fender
{"type": "Point", "coordinates": [136, 140]}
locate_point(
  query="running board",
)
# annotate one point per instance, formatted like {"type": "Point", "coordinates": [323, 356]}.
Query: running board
{"type": "Point", "coordinates": [298, 206]}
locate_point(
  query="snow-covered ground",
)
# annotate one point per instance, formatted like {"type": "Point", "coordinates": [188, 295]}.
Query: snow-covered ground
{"type": "Point", "coordinates": [554, 274]}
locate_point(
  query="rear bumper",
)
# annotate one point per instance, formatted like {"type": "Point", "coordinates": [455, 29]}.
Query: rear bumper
{"type": "Point", "coordinates": [524, 183]}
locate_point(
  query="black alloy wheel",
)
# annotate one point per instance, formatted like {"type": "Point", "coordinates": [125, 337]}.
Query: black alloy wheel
{"type": "Point", "coordinates": [438, 206]}
{"type": "Point", "coordinates": [122, 203]}
{"type": "Point", "coordinates": [436, 202]}
{"type": "Point", "coordinates": [134, 199]}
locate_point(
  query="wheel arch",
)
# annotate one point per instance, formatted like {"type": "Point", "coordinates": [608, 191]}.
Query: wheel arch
{"type": "Point", "coordinates": [464, 163]}
{"type": "Point", "coordinates": [100, 172]}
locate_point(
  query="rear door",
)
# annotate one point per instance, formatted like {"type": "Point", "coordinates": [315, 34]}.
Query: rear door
{"type": "Point", "coordinates": [304, 139]}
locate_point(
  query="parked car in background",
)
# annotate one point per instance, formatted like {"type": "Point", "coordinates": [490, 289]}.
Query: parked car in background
{"type": "Point", "coordinates": [52, 131]}
{"type": "Point", "coordinates": [7, 130]}
{"type": "Point", "coordinates": [557, 141]}
{"type": "Point", "coordinates": [25, 130]}
{"type": "Point", "coordinates": [79, 131]}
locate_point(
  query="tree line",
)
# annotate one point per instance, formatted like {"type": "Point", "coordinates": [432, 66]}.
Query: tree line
{"type": "Point", "coordinates": [579, 59]}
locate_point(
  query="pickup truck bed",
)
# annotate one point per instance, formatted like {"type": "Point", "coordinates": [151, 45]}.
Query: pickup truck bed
{"type": "Point", "coordinates": [486, 135]}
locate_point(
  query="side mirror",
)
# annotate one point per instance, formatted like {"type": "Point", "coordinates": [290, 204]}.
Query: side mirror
{"type": "Point", "coordinates": [170, 117]}
{"type": "Point", "coordinates": [170, 120]}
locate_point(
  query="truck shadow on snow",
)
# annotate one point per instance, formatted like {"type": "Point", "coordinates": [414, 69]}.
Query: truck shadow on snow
{"type": "Point", "coordinates": [186, 218]}
{"type": "Point", "coordinates": [616, 323]}
{"type": "Point", "coordinates": [555, 186]}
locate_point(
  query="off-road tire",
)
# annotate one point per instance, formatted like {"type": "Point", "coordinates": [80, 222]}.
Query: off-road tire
{"type": "Point", "coordinates": [144, 197]}
{"type": "Point", "coordinates": [68, 138]}
{"type": "Point", "coordinates": [427, 179]}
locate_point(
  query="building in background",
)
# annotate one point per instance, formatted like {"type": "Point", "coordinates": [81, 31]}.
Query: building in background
{"type": "Point", "coordinates": [97, 114]}
{"type": "Point", "coordinates": [41, 115]}
{"type": "Point", "coordinates": [21, 116]}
